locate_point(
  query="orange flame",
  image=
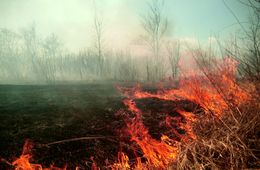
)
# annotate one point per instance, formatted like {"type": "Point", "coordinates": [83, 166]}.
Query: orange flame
{"type": "Point", "coordinates": [213, 89]}
{"type": "Point", "coordinates": [157, 153]}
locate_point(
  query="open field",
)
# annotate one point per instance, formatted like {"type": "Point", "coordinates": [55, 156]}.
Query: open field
{"type": "Point", "coordinates": [83, 114]}
{"type": "Point", "coordinates": [76, 125]}
{"type": "Point", "coordinates": [46, 114]}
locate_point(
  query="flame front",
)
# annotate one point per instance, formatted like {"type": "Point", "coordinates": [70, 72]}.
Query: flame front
{"type": "Point", "coordinates": [214, 90]}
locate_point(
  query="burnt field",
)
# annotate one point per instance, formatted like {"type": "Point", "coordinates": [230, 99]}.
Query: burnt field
{"type": "Point", "coordinates": [129, 85]}
{"type": "Point", "coordinates": [71, 124]}
{"type": "Point", "coordinates": [45, 114]}
{"type": "Point", "coordinates": [107, 126]}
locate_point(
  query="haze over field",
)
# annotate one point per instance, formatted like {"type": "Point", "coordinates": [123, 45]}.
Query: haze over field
{"type": "Point", "coordinates": [46, 41]}
{"type": "Point", "coordinates": [72, 20]}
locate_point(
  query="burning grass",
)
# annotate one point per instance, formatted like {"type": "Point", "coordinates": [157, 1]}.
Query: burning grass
{"type": "Point", "coordinates": [229, 142]}
{"type": "Point", "coordinates": [220, 97]}
{"type": "Point", "coordinates": [219, 129]}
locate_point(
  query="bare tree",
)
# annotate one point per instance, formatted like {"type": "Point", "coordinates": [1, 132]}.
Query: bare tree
{"type": "Point", "coordinates": [148, 68]}
{"type": "Point", "coordinates": [125, 67]}
{"type": "Point", "coordinates": [247, 51]}
{"type": "Point", "coordinates": [10, 55]}
{"type": "Point", "coordinates": [98, 26]}
{"type": "Point", "coordinates": [173, 53]}
{"type": "Point", "coordinates": [155, 26]}
{"type": "Point", "coordinates": [51, 53]}
{"type": "Point", "coordinates": [31, 43]}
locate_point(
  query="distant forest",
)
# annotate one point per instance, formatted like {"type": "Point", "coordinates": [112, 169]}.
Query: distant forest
{"type": "Point", "coordinates": [25, 57]}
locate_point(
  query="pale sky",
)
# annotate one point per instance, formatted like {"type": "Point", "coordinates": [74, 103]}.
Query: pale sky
{"type": "Point", "coordinates": [72, 20]}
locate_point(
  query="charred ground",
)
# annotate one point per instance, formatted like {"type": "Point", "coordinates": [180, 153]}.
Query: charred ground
{"type": "Point", "coordinates": [46, 114]}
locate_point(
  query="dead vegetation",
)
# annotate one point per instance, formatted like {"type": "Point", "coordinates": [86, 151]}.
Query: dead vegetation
{"type": "Point", "coordinates": [229, 142]}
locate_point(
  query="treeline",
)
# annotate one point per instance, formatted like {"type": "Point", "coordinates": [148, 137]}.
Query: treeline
{"type": "Point", "coordinates": [25, 57]}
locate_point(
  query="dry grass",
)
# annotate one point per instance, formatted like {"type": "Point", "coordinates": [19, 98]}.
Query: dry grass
{"type": "Point", "coordinates": [229, 142]}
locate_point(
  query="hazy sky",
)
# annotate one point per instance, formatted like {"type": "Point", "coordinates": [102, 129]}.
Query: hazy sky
{"type": "Point", "coordinates": [72, 20]}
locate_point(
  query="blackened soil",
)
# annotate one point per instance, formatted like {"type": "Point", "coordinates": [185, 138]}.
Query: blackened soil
{"type": "Point", "coordinates": [45, 114]}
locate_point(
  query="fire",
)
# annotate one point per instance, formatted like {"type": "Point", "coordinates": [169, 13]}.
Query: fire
{"type": "Point", "coordinates": [158, 153]}
{"type": "Point", "coordinates": [123, 162]}
{"type": "Point", "coordinates": [23, 162]}
{"type": "Point", "coordinates": [213, 89]}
